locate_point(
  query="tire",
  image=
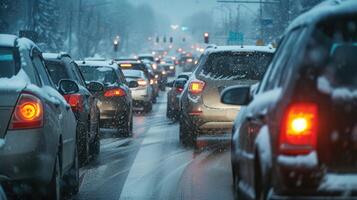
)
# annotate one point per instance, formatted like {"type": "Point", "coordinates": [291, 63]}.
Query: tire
{"type": "Point", "coordinates": [187, 136]}
{"type": "Point", "coordinates": [71, 179]}
{"type": "Point", "coordinates": [54, 189]}
{"type": "Point", "coordinates": [148, 107]}
{"type": "Point", "coordinates": [236, 179]}
{"type": "Point", "coordinates": [261, 183]}
{"type": "Point", "coordinates": [128, 129]}
{"type": "Point", "coordinates": [169, 113]}
{"type": "Point", "coordinates": [95, 146]}
{"type": "Point", "coordinates": [83, 150]}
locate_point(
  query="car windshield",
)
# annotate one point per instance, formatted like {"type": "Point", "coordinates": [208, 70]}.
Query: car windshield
{"type": "Point", "coordinates": [236, 65]}
{"type": "Point", "coordinates": [104, 75]}
{"type": "Point", "coordinates": [133, 73]}
{"type": "Point", "coordinates": [57, 71]}
{"type": "Point", "coordinates": [8, 66]}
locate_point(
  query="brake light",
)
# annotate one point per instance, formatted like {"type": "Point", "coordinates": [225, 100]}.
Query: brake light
{"type": "Point", "coordinates": [299, 129]}
{"type": "Point", "coordinates": [196, 87]}
{"type": "Point", "coordinates": [75, 101]}
{"type": "Point", "coordinates": [28, 113]}
{"type": "Point", "coordinates": [142, 82]}
{"type": "Point", "coordinates": [179, 90]}
{"type": "Point", "coordinates": [117, 92]}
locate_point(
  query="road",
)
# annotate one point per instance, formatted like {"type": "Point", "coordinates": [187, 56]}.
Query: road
{"type": "Point", "coordinates": [153, 165]}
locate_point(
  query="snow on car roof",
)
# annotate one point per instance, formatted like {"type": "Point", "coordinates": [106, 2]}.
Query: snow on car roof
{"type": "Point", "coordinates": [50, 56]}
{"type": "Point", "coordinates": [96, 64]}
{"type": "Point", "coordinates": [7, 40]}
{"type": "Point", "coordinates": [323, 10]}
{"type": "Point", "coordinates": [244, 48]}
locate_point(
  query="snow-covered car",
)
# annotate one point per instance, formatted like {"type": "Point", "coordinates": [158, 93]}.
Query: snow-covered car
{"type": "Point", "coordinates": [84, 104]}
{"type": "Point", "coordinates": [115, 101]}
{"type": "Point", "coordinates": [37, 126]}
{"type": "Point", "coordinates": [296, 136]}
{"type": "Point", "coordinates": [201, 109]}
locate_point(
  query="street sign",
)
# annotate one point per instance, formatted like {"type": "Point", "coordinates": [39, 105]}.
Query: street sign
{"type": "Point", "coordinates": [235, 37]}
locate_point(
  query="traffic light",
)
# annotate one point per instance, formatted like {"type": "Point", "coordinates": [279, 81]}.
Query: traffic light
{"type": "Point", "coordinates": [164, 39]}
{"type": "Point", "coordinates": [206, 37]}
{"type": "Point", "coordinates": [116, 42]}
{"type": "Point", "coordinates": [171, 40]}
{"type": "Point", "coordinates": [157, 39]}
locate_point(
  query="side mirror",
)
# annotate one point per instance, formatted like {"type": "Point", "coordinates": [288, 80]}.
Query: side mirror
{"type": "Point", "coordinates": [236, 95]}
{"type": "Point", "coordinates": [133, 84]}
{"type": "Point", "coordinates": [170, 84]}
{"type": "Point", "coordinates": [95, 86]}
{"type": "Point", "coordinates": [67, 87]}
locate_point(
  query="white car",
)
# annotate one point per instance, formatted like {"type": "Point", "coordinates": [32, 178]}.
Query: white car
{"type": "Point", "coordinates": [140, 87]}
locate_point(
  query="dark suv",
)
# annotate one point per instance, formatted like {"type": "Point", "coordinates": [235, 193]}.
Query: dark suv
{"type": "Point", "coordinates": [83, 103]}
{"type": "Point", "coordinates": [296, 137]}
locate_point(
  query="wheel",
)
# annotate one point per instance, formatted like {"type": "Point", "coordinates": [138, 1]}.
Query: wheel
{"type": "Point", "coordinates": [169, 113]}
{"type": "Point", "coordinates": [127, 131]}
{"type": "Point", "coordinates": [261, 183]}
{"type": "Point", "coordinates": [148, 107]}
{"type": "Point", "coordinates": [54, 189]}
{"type": "Point", "coordinates": [95, 146]}
{"type": "Point", "coordinates": [71, 179]}
{"type": "Point", "coordinates": [83, 150]}
{"type": "Point", "coordinates": [187, 136]}
{"type": "Point", "coordinates": [236, 179]}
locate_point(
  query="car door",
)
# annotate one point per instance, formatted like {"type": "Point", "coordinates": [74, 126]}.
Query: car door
{"type": "Point", "coordinates": [66, 117]}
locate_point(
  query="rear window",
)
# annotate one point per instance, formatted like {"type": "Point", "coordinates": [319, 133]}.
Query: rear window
{"type": "Point", "coordinates": [236, 65]}
{"type": "Point", "coordinates": [8, 65]}
{"type": "Point", "coordinates": [105, 75]}
{"type": "Point", "coordinates": [335, 51]}
{"type": "Point", "coordinates": [133, 73]}
{"type": "Point", "coordinates": [57, 71]}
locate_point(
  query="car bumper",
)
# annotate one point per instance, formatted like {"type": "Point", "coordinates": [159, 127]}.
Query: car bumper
{"type": "Point", "coordinates": [31, 160]}
{"type": "Point", "coordinates": [207, 120]}
{"type": "Point", "coordinates": [113, 113]}
{"type": "Point", "coordinates": [141, 95]}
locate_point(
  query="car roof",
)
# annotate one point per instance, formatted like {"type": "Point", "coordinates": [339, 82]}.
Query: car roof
{"type": "Point", "coordinates": [129, 62]}
{"type": "Point", "coordinates": [326, 9]}
{"type": "Point", "coordinates": [97, 64]}
{"type": "Point", "coordinates": [146, 55]}
{"type": "Point", "coordinates": [7, 40]}
{"type": "Point", "coordinates": [243, 48]}
{"type": "Point", "coordinates": [55, 56]}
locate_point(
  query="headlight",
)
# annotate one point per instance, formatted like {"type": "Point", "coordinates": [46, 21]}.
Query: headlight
{"type": "Point", "coordinates": [156, 76]}
{"type": "Point", "coordinates": [163, 72]}
{"type": "Point", "coordinates": [172, 67]}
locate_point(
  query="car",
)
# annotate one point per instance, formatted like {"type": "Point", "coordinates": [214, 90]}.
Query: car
{"type": "Point", "coordinates": [140, 88]}
{"type": "Point", "coordinates": [148, 71]}
{"type": "Point", "coordinates": [162, 76]}
{"type": "Point", "coordinates": [170, 69]}
{"type": "Point", "coordinates": [295, 136]}
{"type": "Point", "coordinates": [37, 126]}
{"type": "Point", "coordinates": [220, 67]}
{"type": "Point", "coordinates": [152, 67]}
{"type": "Point", "coordinates": [115, 102]}
{"type": "Point", "coordinates": [173, 95]}
{"type": "Point", "coordinates": [83, 103]}
{"type": "Point", "coordinates": [187, 62]}
{"type": "Point", "coordinates": [148, 56]}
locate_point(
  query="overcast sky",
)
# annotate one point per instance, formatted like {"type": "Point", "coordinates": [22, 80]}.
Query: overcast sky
{"type": "Point", "coordinates": [177, 10]}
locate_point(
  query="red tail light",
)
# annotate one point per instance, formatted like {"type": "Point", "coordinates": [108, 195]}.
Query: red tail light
{"type": "Point", "coordinates": [299, 129]}
{"type": "Point", "coordinates": [117, 92]}
{"type": "Point", "coordinates": [28, 113]}
{"type": "Point", "coordinates": [75, 101]}
{"type": "Point", "coordinates": [179, 90]}
{"type": "Point", "coordinates": [196, 87]}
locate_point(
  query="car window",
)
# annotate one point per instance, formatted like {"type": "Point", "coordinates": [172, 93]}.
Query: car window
{"type": "Point", "coordinates": [337, 44]}
{"type": "Point", "coordinates": [41, 70]}
{"type": "Point", "coordinates": [279, 62]}
{"type": "Point", "coordinates": [105, 75]}
{"type": "Point", "coordinates": [236, 65]}
{"type": "Point", "coordinates": [9, 64]}
{"type": "Point", "coordinates": [57, 71]}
